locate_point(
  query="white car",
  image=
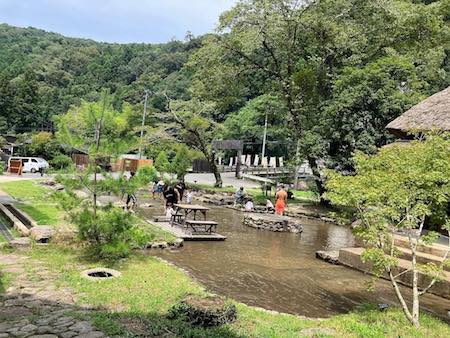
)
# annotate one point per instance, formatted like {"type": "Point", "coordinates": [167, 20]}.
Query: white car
{"type": "Point", "coordinates": [30, 164]}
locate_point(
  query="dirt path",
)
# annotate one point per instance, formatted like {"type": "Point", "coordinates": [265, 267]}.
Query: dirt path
{"type": "Point", "coordinates": [33, 306]}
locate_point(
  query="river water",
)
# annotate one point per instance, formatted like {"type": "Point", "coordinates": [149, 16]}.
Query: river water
{"type": "Point", "coordinates": [279, 271]}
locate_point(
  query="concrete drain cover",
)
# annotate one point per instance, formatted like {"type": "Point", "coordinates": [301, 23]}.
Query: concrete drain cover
{"type": "Point", "coordinates": [100, 274]}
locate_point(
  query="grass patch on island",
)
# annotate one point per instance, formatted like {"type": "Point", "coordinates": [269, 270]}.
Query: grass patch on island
{"type": "Point", "coordinates": [138, 301]}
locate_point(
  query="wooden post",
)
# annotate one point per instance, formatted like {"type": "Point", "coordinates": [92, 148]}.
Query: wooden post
{"type": "Point", "coordinates": [238, 164]}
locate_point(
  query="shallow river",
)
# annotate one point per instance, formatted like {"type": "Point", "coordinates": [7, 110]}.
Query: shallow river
{"type": "Point", "coordinates": [279, 271]}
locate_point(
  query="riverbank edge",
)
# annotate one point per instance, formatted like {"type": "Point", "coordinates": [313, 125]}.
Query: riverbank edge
{"type": "Point", "coordinates": [252, 321]}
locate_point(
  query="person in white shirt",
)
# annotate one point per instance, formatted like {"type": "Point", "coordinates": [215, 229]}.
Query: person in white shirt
{"type": "Point", "coordinates": [169, 211]}
{"type": "Point", "coordinates": [249, 206]}
{"type": "Point", "coordinates": [269, 206]}
{"type": "Point", "coordinates": [189, 196]}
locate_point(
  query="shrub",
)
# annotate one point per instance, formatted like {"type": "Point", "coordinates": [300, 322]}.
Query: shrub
{"type": "Point", "coordinates": [147, 174]}
{"type": "Point", "coordinates": [204, 312]}
{"type": "Point", "coordinates": [2, 167]}
{"type": "Point", "coordinates": [61, 162]}
{"type": "Point", "coordinates": [162, 163]}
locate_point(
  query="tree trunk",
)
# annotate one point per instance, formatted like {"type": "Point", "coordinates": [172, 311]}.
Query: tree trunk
{"type": "Point", "coordinates": [215, 171]}
{"type": "Point", "coordinates": [400, 297]}
{"type": "Point", "coordinates": [318, 180]}
{"type": "Point", "coordinates": [415, 306]}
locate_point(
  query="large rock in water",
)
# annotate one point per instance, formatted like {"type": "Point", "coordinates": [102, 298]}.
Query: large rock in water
{"type": "Point", "coordinates": [204, 312]}
{"type": "Point", "coordinates": [328, 256]}
{"type": "Point", "coordinates": [272, 223]}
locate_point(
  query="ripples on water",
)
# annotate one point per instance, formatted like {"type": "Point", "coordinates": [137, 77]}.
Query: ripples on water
{"type": "Point", "coordinates": [279, 271]}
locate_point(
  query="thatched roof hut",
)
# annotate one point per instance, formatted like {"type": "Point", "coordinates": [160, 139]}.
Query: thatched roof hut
{"type": "Point", "coordinates": [430, 114]}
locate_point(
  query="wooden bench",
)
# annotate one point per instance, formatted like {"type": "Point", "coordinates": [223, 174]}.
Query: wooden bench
{"type": "Point", "coordinates": [176, 219]}
{"type": "Point", "coordinates": [201, 226]}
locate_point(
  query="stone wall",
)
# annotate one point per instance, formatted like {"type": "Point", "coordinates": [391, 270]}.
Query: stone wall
{"type": "Point", "coordinates": [272, 223]}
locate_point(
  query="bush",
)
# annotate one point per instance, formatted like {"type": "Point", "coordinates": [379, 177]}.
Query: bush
{"type": "Point", "coordinates": [204, 312]}
{"type": "Point", "coordinates": [110, 237]}
{"type": "Point", "coordinates": [3, 166]}
{"type": "Point", "coordinates": [61, 162]}
{"type": "Point", "coordinates": [162, 163]}
{"type": "Point", "coordinates": [147, 174]}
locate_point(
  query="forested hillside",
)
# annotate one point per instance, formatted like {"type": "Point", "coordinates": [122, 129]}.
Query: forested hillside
{"type": "Point", "coordinates": [42, 74]}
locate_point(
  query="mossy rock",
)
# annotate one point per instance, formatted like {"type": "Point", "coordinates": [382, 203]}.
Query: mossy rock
{"type": "Point", "coordinates": [204, 312]}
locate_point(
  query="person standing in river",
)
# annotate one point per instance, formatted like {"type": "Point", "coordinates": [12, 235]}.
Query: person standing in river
{"type": "Point", "coordinates": [280, 201]}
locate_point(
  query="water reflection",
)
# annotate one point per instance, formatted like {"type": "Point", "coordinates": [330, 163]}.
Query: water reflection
{"type": "Point", "coordinates": [279, 271]}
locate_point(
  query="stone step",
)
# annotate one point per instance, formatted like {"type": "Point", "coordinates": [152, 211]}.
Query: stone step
{"type": "Point", "coordinates": [352, 257]}
{"type": "Point", "coordinates": [422, 257]}
{"type": "Point", "coordinates": [436, 249]}
{"type": "Point", "coordinates": [17, 224]}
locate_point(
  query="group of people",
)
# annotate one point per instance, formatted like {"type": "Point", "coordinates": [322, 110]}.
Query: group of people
{"type": "Point", "coordinates": [172, 194]}
{"type": "Point", "coordinates": [281, 197]}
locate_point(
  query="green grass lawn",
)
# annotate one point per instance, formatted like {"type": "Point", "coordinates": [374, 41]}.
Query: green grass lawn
{"type": "Point", "coordinates": [26, 190]}
{"type": "Point", "coordinates": [148, 287]}
{"type": "Point", "coordinates": [35, 200]}
{"type": "Point", "coordinates": [5, 280]}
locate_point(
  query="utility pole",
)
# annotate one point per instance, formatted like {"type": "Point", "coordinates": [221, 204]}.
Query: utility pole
{"type": "Point", "coordinates": [147, 93]}
{"type": "Point", "coordinates": [264, 138]}
{"type": "Point", "coordinates": [298, 165]}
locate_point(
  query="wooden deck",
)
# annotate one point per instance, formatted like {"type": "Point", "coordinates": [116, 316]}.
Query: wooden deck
{"type": "Point", "coordinates": [181, 233]}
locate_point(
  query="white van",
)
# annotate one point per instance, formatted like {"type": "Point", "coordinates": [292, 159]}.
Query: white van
{"type": "Point", "coordinates": [30, 164]}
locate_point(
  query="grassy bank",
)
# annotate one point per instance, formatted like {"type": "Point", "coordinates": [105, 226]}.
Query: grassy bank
{"type": "Point", "coordinates": [139, 300]}
{"type": "Point", "coordinates": [5, 280]}
{"type": "Point", "coordinates": [35, 200]}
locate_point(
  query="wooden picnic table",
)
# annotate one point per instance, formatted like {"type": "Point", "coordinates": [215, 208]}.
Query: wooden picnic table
{"type": "Point", "coordinates": [182, 212]}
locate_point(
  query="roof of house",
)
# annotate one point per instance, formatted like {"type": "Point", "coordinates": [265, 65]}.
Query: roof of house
{"type": "Point", "coordinates": [431, 114]}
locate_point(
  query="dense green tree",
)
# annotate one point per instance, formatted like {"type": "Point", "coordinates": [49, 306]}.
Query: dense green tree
{"type": "Point", "coordinates": [337, 65]}
{"type": "Point", "coordinates": [181, 162]}
{"type": "Point", "coordinates": [162, 163]}
{"type": "Point", "coordinates": [248, 125]}
{"type": "Point", "coordinates": [103, 133]}
{"type": "Point", "coordinates": [197, 128]}
{"type": "Point", "coordinates": [398, 189]}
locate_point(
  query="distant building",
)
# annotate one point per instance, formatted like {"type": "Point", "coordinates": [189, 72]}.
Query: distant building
{"type": "Point", "coordinates": [432, 113]}
{"type": "Point", "coordinates": [10, 144]}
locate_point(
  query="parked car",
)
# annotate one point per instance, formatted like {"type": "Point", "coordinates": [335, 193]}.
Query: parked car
{"type": "Point", "coordinates": [30, 164]}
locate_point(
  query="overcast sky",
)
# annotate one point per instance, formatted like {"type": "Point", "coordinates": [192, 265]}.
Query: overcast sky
{"type": "Point", "coordinates": [116, 20]}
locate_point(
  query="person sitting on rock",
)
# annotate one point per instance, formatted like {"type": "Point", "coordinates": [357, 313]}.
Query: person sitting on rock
{"type": "Point", "coordinates": [269, 206]}
{"type": "Point", "coordinates": [249, 206]}
{"type": "Point", "coordinates": [239, 196]}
